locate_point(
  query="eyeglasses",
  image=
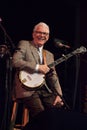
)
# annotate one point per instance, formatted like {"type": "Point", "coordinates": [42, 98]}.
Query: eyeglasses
{"type": "Point", "coordinates": [44, 33]}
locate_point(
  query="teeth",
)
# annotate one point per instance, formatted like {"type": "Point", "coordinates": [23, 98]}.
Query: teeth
{"type": "Point", "coordinates": [41, 38]}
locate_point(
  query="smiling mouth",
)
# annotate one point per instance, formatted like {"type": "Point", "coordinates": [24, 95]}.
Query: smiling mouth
{"type": "Point", "coordinates": [41, 39]}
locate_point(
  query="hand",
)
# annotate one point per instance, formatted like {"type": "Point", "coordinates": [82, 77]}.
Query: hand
{"type": "Point", "coordinates": [44, 69]}
{"type": "Point", "coordinates": [59, 101]}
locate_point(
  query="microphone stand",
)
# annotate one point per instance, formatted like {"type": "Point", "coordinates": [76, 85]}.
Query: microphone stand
{"type": "Point", "coordinates": [6, 36]}
{"type": "Point", "coordinates": [8, 80]}
{"type": "Point", "coordinates": [65, 76]}
{"type": "Point", "coordinates": [76, 81]}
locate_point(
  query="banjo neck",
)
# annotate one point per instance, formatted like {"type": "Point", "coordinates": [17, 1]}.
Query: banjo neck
{"type": "Point", "coordinates": [66, 57]}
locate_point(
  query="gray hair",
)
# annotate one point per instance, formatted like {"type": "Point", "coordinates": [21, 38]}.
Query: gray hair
{"type": "Point", "coordinates": [41, 24]}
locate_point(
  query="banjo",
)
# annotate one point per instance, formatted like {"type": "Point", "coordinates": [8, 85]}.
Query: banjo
{"type": "Point", "coordinates": [35, 80]}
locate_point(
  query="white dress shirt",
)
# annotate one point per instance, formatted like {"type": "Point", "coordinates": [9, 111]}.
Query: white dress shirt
{"type": "Point", "coordinates": [41, 57]}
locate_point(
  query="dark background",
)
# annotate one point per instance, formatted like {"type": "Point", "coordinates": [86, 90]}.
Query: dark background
{"type": "Point", "coordinates": [67, 21]}
{"type": "Point", "coordinates": [83, 63]}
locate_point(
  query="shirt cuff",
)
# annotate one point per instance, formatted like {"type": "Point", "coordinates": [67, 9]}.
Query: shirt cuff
{"type": "Point", "coordinates": [37, 67]}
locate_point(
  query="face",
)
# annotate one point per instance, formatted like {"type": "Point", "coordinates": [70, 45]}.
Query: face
{"type": "Point", "coordinates": [40, 35]}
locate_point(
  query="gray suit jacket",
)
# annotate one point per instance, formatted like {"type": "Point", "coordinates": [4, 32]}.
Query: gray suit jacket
{"type": "Point", "coordinates": [25, 58]}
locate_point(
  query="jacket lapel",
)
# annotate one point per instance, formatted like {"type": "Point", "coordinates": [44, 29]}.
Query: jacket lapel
{"type": "Point", "coordinates": [35, 54]}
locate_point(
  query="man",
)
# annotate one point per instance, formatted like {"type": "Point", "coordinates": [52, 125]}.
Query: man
{"type": "Point", "coordinates": [28, 59]}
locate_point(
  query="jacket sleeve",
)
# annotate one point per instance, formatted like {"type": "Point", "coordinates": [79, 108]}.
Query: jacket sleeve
{"type": "Point", "coordinates": [22, 58]}
{"type": "Point", "coordinates": [52, 77]}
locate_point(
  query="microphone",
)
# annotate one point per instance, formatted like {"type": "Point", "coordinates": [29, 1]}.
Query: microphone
{"type": "Point", "coordinates": [60, 43]}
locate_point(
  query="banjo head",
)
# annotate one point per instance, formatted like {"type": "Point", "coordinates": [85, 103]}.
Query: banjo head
{"type": "Point", "coordinates": [31, 81]}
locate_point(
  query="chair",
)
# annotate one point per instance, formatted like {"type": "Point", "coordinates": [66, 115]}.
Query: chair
{"type": "Point", "coordinates": [25, 115]}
